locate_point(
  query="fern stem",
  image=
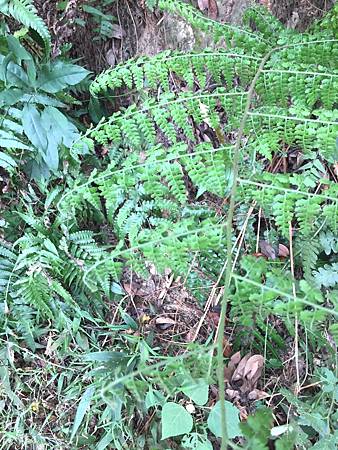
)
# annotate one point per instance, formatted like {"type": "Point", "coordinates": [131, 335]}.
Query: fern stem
{"type": "Point", "coordinates": [228, 271]}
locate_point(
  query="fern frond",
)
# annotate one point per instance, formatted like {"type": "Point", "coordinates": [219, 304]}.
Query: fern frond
{"type": "Point", "coordinates": [25, 12]}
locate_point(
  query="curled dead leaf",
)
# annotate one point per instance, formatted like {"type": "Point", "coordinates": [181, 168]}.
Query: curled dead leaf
{"type": "Point", "coordinates": [253, 368]}
{"type": "Point", "coordinates": [267, 250]}
{"type": "Point", "coordinates": [248, 371]}
{"type": "Point", "coordinates": [203, 4]}
{"type": "Point", "coordinates": [232, 394]}
{"type": "Point", "coordinates": [228, 372]}
{"type": "Point", "coordinates": [256, 394]}
{"type": "Point", "coordinates": [239, 372]}
{"type": "Point", "coordinates": [235, 359]}
{"type": "Point", "coordinates": [213, 9]}
{"type": "Point", "coordinates": [283, 251]}
{"type": "Point", "coordinates": [164, 322]}
{"type": "Point", "coordinates": [226, 348]}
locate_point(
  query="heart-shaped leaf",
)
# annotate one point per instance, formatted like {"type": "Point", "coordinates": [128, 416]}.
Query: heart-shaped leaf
{"type": "Point", "coordinates": [175, 420]}
{"type": "Point", "coordinates": [197, 390]}
{"type": "Point", "coordinates": [232, 420]}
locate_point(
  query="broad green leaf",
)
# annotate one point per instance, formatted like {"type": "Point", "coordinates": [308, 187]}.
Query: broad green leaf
{"type": "Point", "coordinates": [22, 54]}
{"type": "Point", "coordinates": [62, 129]}
{"type": "Point", "coordinates": [9, 97]}
{"type": "Point", "coordinates": [59, 130]}
{"type": "Point", "coordinates": [11, 73]}
{"type": "Point", "coordinates": [9, 140]}
{"type": "Point", "coordinates": [175, 420]}
{"type": "Point", "coordinates": [232, 420]}
{"type": "Point", "coordinates": [7, 162]}
{"type": "Point", "coordinates": [42, 99]}
{"type": "Point", "coordinates": [82, 409]}
{"type": "Point", "coordinates": [154, 398]}
{"type": "Point", "coordinates": [12, 126]}
{"type": "Point", "coordinates": [55, 77]}
{"type": "Point", "coordinates": [197, 390]}
{"type": "Point", "coordinates": [33, 127]}
{"type": "Point", "coordinates": [204, 446]}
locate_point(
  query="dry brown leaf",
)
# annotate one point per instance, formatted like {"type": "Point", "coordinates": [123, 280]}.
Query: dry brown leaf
{"type": "Point", "coordinates": [267, 250]}
{"type": "Point", "coordinates": [132, 288]}
{"type": "Point", "coordinates": [235, 359]}
{"type": "Point", "coordinates": [228, 372]}
{"type": "Point", "coordinates": [253, 368]}
{"type": "Point", "coordinates": [164, 322]}
{"type": "Point", "coordinates": [203, 4]}
{"type": "Point", "coordinates": [256, 394]}
{"type": "Point", "coordinates": [213, 9]}
{"type": "Point", "coordinates": [226, 348]}
{"type": "Point", "coordinates": [283, 251]}
{"type": "Point", "coordinates": [239, 372]}
{"type": "Point", "coordinates": [232, 394]}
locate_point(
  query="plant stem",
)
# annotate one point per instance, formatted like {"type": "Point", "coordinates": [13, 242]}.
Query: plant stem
{"type": "Point", "coordinates": [228, 272]}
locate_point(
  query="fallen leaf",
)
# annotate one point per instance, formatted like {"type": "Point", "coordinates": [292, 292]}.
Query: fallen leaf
{"type": "Point", "coordinates": [203, 4]}
{"type": "Point", "coordinates": [232, 394]}
{"type": "Point", "coordinates": [283, 251]}
{"type": "Point", "coordinates": [214, 318]}
{"type": "Point", "coordinates": [256, 394]}
{"type": "Point", "coordinates": [235, 359]}
{"type": "Point", "coordinates": [239, 372]}
{"type": "Point", "coordinates": [228, 372]}
{"type": "Point", "coordinates": [253, 368]}
{"type": "Point", "coordinates": [164, 322]}
{"type": "Point", "coordinates": [116, 31]}
{"type": "Point", "coordinates": [267, 250]}
{"type": "Point", "coordinates": [132, 288]}
{"type": "Point", "coordinates": [226, 348]}
{"type": "Point", "coordinates": [213, 9]}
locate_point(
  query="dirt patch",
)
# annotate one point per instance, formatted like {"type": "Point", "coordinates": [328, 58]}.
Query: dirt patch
{"type": "Point", "coordinates": [299, 14]}
{"type": "Point", "coordinates": [133, 30]}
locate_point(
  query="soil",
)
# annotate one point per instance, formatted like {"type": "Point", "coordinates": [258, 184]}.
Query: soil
{"type": "Point", "coordinates": [137, 31]}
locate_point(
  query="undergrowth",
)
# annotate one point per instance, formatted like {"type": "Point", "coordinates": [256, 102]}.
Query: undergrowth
{"type": "Point", "coordinates": [154, 197]}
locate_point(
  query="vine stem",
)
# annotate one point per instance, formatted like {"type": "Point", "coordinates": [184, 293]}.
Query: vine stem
{"type": "Point", "coordinates": [228, 271]}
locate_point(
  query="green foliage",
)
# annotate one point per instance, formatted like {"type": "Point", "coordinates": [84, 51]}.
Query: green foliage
{"type": "Point", "coordinates": [25, 12]}
{"type": "Point", "coordinates": [160, 198]}
{"type": "Point", "coordinates": [33, 130]}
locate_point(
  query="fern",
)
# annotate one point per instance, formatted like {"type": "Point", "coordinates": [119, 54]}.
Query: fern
{"type": "Point", "coordinates": [327, 276]}
{"type": "Point", "coordinates": [25, 12]}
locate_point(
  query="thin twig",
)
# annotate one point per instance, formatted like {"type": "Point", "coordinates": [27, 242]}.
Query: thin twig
{"type": "Point", "coordinates": [296, 317]}
{"type": "Point", "coordinates": [228, 271]}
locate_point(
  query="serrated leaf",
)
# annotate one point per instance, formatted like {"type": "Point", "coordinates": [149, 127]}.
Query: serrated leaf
{"type": "Point", "coordinates": [82, 409]}
{"type": "Point", "coordinates": [175, 420]}
{"type": "Point", "coordinates": [232, 420]}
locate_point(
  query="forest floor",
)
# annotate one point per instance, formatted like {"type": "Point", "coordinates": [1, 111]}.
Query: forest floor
{"type": "Point", "coordinates": [160, 307]}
